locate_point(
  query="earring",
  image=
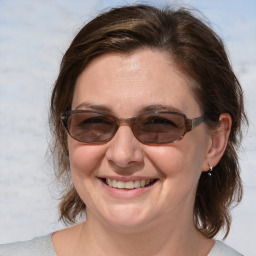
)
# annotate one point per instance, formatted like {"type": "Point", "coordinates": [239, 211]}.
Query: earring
{"type": "Point", "coordinates": [210, 171]}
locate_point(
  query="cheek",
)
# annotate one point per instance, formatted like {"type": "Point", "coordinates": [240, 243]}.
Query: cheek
{"type": "Point", "coordinates": [180, 161]}
{"type": "Point", "coordinates": [84, 159]}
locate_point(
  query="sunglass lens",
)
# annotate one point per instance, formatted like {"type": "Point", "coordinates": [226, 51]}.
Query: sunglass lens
{"type": "Point", "coordinates": [91, 127]}
{"type": "Point", "coordinates": [159, 128]}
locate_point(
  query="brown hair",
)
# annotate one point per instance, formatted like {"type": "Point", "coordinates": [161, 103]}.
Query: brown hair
{"type": "Point", "coordinates": [200, 54]}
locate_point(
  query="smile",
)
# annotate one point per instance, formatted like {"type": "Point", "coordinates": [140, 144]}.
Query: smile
{"type": "Point", "coordinates": [131, 184]}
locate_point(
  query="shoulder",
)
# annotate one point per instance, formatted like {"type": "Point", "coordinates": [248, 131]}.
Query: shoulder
{"type": "Point", "coordinates": [40, 246]}
{"type": "Point", "coordinates": [221, 249]}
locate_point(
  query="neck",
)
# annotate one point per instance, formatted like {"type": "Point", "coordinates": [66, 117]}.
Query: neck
{"type": "Point", "coordinates": [158, 239]}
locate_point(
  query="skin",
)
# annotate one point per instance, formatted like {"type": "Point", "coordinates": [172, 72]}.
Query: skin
{"type": "Point", "coordinates": [160, 220]}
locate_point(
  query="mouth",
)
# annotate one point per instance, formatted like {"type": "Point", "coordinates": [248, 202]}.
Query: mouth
{"type": "Point", "coordinates": [131, 184]}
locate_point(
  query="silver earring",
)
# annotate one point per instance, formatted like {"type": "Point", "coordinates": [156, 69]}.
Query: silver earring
{"type": "Point", "coordinates": [210, 171]}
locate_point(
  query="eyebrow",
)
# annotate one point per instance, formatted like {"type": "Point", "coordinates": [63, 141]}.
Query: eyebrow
{"type": "Point", "coordinates": [147, 108]}
{"type": "Point", "coordinates": [159, 107]}
{"type": "Point", "coordinates": [94, 106]}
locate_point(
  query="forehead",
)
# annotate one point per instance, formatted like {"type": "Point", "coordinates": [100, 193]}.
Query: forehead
{"type": "Point", "coordinates": [128, 82]}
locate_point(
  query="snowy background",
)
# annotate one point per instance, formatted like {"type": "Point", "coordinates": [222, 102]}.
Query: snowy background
{"type": "Point", "coordinates": [33, 38]}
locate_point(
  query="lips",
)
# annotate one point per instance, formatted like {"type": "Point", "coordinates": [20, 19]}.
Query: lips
{"type": "Point", "coordinates": [130, 184]}
{"type": "Point", "coordinates": [127, 187]}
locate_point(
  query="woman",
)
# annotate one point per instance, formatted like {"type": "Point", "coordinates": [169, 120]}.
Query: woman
{"type": "Point", "coordinates": [146, 116]}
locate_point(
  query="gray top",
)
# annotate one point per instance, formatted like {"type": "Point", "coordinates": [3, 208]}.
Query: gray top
{"type": "Point", "coordinates": [42, 246]}
{"type": "Point", "coordinates": [221, 249]}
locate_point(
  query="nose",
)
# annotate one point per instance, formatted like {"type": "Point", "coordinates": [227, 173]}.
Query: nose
{"type": "Point", "coordinates": [125, 152]}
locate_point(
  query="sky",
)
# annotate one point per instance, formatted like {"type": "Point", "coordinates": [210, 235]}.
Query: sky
{"type": "Point", "coordinates": [33, 37]}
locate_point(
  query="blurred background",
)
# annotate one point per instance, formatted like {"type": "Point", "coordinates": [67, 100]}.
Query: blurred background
{"type": "Point", "coordinates": [33, 37]}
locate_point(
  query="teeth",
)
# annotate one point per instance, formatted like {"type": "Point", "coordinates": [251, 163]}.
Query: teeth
{"type": "Point", "coordinates": [137, 184]}
{"type": "Point", "coordinates": [120, 184]}
{"type": "Point", "coordinates": [128, 184]}
{"type": "Point", "coordinates": [114, 183]}
{"type": "Point", "coordinates": [109, 182]}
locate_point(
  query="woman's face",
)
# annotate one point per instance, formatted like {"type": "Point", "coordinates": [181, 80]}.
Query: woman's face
{"type": "Point", "coordinates": [124, 85]}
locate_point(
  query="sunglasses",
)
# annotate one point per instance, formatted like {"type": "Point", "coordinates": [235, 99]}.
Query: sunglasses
{"type": "Point", "coordinates": [150, 128]}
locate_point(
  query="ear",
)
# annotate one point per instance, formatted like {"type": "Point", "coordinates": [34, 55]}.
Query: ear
{"type": "Point", "coordinates": [218, 143]}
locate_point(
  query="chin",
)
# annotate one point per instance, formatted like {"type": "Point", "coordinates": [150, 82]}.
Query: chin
{"type": "Point", "coordinates": [127, 218]}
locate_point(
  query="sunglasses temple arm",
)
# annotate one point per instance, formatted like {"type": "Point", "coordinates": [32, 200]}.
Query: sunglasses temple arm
{"type": "Point", "coordinates": [196, 121]}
